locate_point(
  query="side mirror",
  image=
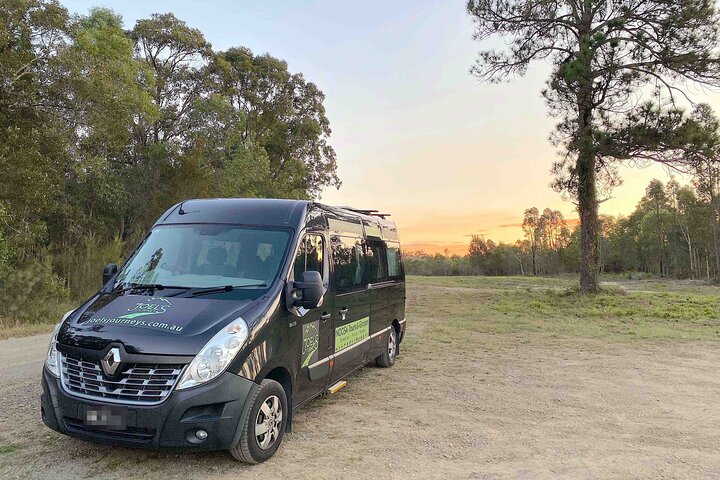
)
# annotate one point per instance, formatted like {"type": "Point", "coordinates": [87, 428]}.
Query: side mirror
{"type": "Point", "coordinates": [109, 272]}
{"type": "Point", "coordinates": [311, 289]}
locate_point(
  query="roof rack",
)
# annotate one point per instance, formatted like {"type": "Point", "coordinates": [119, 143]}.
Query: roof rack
{"type": "Point", "coordinates": [374, 213]}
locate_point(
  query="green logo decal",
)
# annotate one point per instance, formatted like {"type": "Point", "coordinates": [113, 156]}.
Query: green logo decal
{"type": "Point", "coordinates": [147, 313]}
{"type": "Point", "coordinates": [311, 339]}
{"type": "Point", "coordinates": [352, 333]}
{"type": "Point", "coordinates": [152, 306]}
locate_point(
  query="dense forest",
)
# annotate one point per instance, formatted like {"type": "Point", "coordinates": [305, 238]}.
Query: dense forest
{"type": "Point", "coordinates": [673, 232]}
{"type": "Point", "coordinates": [102, 129]}
{"type": "Point", "coordinates": [103, 126]}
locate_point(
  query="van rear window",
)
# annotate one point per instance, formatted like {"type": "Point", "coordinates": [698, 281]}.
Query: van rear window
{"type": "Point", "coordinates": [394, 260]}
{"type": "Point", "coordinates": [348, 262]}
{"type": "Point", "coordinates": [375, 261]}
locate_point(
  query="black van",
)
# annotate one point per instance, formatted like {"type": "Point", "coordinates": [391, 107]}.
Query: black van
{"type": "Point", "coordinates": [229, 315]}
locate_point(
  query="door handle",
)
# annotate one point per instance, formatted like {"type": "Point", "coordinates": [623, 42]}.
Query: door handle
{"type": "Point", "coordinates": [325, 316]}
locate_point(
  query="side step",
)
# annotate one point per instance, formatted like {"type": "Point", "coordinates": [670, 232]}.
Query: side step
{"type": "Point", "coordinates": [337, 387]}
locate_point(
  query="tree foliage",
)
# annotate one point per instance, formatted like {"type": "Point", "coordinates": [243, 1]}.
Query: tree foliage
{"type": "Point", "coordinates": [101, 129]}
{"type": "Point", "coordinates": [605, 54]}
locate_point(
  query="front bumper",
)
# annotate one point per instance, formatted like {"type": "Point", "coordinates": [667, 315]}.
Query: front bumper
{"type": "Point", "coordinates": [217, 407]}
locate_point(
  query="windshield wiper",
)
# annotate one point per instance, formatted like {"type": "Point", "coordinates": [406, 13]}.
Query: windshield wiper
{"type": "Point", "coordinates": [226, 288]}
{"type": "Point", "coordinates": [148, 286]}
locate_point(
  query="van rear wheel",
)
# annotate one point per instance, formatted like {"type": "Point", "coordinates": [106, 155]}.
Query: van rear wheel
{"type": "Point", "coordinates": [387, 359]}
{"type": "Point", "coordinates": [264, 428]}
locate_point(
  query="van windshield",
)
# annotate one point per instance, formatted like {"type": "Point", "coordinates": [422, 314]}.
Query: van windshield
{"type": "Point", "coordinates": [206, 256]}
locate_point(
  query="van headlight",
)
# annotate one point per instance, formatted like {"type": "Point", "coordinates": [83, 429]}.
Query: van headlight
{"type": "Point", "coordinates": [52, 359]}
{"type": "Point", "coordinates": [216, 355]}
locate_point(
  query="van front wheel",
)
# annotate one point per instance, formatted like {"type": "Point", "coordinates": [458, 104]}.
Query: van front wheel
{"type": "Point", "coordinates": [387, 359]}
{"type": "Point", "coordinates": [264, 427]}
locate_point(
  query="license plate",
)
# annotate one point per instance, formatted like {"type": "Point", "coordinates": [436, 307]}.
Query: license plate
{"type": "Point", "coordinates": [111, 418]}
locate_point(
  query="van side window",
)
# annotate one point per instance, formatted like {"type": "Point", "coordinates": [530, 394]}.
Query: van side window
{"type": "Point", "coordinates": [348, 263]}
{"type": "Point", "coordinates": [375, 261]}
{"type": "Point", "coordinates": [394, 260]}
{"type": "Point", "coordinates": [310, 256]}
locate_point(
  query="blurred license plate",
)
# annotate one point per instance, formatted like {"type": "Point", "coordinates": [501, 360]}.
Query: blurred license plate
{"type": "Point", "coordinates": [112, 418]}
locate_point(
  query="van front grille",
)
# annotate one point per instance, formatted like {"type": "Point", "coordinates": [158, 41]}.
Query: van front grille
{"type": "Point", "coordinates": [131, 434]}
{"type": "Point", "coordinates": [137, 383]}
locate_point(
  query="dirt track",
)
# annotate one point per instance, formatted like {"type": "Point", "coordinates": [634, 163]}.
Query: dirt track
{"type": "Point", "coordinates": [491, 406]}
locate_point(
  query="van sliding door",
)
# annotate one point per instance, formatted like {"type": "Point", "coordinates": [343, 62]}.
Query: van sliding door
{"type": "Point", "coordinates": [351, 319]}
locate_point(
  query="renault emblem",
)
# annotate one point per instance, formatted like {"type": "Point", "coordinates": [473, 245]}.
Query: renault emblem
{"type": "Point", "coordinates": [111, 361]}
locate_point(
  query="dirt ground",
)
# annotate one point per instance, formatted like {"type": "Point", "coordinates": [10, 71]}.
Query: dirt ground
{"type": "Point", "coordinates": [476, 405]}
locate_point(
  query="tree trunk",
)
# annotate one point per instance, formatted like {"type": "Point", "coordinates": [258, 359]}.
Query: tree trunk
{"type": "Point", "coordinates": [685, 231]}
{"type": "Point", "coordinates": [588, 210]}
{"type": "Point", "coordinates": [585, 166]}
{"type": "Point", "coordinates": [534, 259]}
{"type": "Point", "coordinates": [587, 197]}
{"type": "Point", "coordinates": [660, 241]}
{"type": "Point", "coordinates": [716, 237]}
{"type": "Point", "coordinates": [707, 266]}
{"type": "Point", "coordinates": [692, 263]}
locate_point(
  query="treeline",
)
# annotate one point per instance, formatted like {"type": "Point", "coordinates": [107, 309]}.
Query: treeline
{"type": "Point", "coordinates": [102, 129]}
{"type": "Point", "coordinates": [672, 232]}
{"type": "Point", "coordinates": [544, 251]}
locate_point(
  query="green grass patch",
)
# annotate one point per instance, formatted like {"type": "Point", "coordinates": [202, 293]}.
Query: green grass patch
{"type": "Point", "coordinates": [496, 283]}
{"type": "Point", "coordinates": [555, 307]}
{"type": "Point", "coordinates": [6, 449]}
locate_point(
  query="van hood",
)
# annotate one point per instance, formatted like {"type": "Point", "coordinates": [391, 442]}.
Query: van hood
{"type": "Point", "coordinates": [149, 325]}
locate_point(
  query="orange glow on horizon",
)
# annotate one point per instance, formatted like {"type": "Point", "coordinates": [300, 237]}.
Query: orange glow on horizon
{"type": "Point", "coordinates": [505, 233]}
{"type": "Point", "coordinates": [449, 235]}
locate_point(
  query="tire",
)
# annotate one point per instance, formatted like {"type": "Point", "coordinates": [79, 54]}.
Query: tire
{"type": "Point", "coordinates": [387, 359]}
{"type": "Point", "coordinates": [269, 401]}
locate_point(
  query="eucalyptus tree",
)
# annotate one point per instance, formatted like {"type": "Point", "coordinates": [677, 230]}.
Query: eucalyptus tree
{"type": "Point", "coordinates": [554, 237]}
{"type": "Point", "coordinates": [284, 114]}
{"type": "Point", "coordinates": [177, 56]}
{"type": "Point", "coordinates": [705, 164]}
{"type": "Point", "coordinates": [604, 56]}
{"type": "Point", "coordinates": [33, 135]}
{"type": "Point", "coordinates": [690, 215]}
{"type": "Point", "coordinates": [478, 251]}
{"type": "Point", "coordinates": [103, 98]}
{"type": "Point", "coordinates": [531, 228]}
{"type": "Point", "coordinates": [656, 203]}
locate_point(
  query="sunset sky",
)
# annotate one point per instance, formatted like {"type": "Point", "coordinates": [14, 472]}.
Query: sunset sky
{"type": "Point", "coordinates": [415, 134]}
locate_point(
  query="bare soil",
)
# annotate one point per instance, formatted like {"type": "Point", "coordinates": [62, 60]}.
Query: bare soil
{"type": "Point", "coordinates": [477, 405]}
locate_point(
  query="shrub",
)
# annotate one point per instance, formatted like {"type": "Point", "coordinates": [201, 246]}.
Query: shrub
{"type": "Point", "coordinates": [33, 293]}
{"type": "Point", "coordinates": [81, 265]}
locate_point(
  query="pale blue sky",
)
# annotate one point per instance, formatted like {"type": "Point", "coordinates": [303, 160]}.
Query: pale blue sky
{"type": "Point", "coordinates": [415, 134]}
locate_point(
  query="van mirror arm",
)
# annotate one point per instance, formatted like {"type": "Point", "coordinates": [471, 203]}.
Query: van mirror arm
{"type": "Point", "coordinates": [311, 291]}
{"type": "Point", "coordinates": [109, 273]}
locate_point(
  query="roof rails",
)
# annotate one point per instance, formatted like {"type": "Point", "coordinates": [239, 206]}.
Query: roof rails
{"type": "Point", "coordinates": [374, 213]}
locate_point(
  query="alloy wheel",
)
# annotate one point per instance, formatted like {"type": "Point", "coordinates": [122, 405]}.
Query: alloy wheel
{"type": "Point", "coordinates": [392, 345]}
{"type": "Point", "coordinates": [268, 422]}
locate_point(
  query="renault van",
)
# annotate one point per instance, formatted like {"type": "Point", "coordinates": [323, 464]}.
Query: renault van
{"type": "Point", "coordinates": [228, 316]}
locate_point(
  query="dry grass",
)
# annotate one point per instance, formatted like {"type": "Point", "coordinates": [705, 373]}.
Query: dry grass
{"type": "Point", "coordinates": [624, 311]}
{"type": "Point", "coordinates": [13, 329]}
{"type": "Point", "coordinates": [498, 378]}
